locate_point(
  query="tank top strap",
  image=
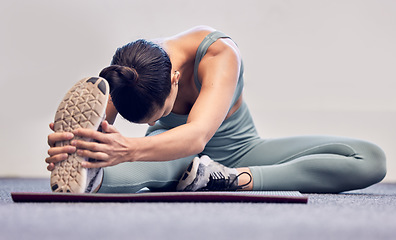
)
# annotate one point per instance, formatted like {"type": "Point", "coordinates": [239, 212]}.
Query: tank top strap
{"type": "Point", "coordinates": [201, 51]}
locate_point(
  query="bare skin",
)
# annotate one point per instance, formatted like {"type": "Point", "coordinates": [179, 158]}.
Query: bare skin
{"type": "Point", "coordinates": [218, 73]}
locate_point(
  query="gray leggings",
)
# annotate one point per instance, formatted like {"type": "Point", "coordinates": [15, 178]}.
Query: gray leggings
{"type": "Point", "coordinates": [305, 163]}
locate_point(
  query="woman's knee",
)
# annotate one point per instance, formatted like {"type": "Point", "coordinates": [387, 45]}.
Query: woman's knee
{"type": "Point", "coordinates": [155, 132]}
{"type": "Point", "coordinates": [373, 168]}
{"type": "Point", "coordinates": [379, 159]}
{"type": "Point", "coordinates": [156, 129]}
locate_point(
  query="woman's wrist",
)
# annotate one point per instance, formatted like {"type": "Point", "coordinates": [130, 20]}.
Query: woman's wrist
{"type": "Point", "coordinates": [133, 152]}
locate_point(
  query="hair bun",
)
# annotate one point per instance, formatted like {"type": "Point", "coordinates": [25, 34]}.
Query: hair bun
{"type": "Point", "coordinates": [129, 73]}
{"type": "Point", "coordinates": [120, 75]}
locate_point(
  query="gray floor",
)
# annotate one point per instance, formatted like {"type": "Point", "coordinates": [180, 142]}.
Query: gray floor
{"type": "Point", "coordinates": [363, 214]}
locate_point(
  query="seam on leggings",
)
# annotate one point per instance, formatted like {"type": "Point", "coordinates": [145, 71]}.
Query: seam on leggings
{"type": "Point", "coordinates": [323, 145]}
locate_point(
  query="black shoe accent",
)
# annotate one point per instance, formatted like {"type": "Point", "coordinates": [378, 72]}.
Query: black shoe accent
{"type": "Point", "coordinates": [93, 80]}
{"type": "Point", "coordinates": [189, 167]}
{"type": "Point", "coordinates": [102, 87]}
{"type": "Point", "coordinates": [218, 182]}
{"type": "Point", "coordinates": [184, 176]}
{"type": "Point", "coordinates": [54, 187]}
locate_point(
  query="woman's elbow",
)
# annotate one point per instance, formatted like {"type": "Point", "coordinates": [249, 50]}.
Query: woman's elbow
{"type": "Point", "coordinates": [199, 145]}
{"type": "Point", "coordinates": [199, 138]}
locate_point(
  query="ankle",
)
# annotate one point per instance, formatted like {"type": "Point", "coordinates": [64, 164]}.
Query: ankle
{"type": "Point", "coordinates": [245, 179]}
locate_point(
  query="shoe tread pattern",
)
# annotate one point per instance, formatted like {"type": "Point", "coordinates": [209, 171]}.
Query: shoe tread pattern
{"type": "Point", "coordinates": [83, 106]}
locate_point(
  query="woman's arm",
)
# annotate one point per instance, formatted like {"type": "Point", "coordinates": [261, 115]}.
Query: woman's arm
{"type": "Point", "coordinates": [219, 72]}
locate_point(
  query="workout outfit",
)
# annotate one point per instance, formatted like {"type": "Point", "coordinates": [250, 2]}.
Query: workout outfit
{"type": "Point", "coordinates": [305, 163]}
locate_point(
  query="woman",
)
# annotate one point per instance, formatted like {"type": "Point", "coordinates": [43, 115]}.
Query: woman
{"type": "Point", "coordinates": [201, 135]}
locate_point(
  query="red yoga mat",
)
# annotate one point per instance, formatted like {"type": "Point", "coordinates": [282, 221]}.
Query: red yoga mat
{"type": "Point", "coordinates": [252, 196]}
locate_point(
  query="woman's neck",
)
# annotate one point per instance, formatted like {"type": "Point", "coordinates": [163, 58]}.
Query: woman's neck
{"type": "Point", "coordinates": [183, 62]}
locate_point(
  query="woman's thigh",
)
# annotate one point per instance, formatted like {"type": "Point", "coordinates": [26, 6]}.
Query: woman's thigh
{"type": "Point", "coordinates": [283, 150]}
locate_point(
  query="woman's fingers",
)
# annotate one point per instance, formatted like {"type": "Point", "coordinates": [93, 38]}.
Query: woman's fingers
{"type": "Point", "coordinates": [99, 164]}
{"type": "Point", "coordinates": [51, 167]}
{"type": "Point", "coordinates": [58, 154]}
{"type": "Point", "coordinates": [88, 133]}
{"type": "Point", "coordinates": [51, 125]}
{"type": "Point", "coordinates": [96, 135]}
{"type": "Point", "coordinates": [59, 136]}
{"type": "Point", "coordinates": [56, 158]}
{"type": "Point", "coordinates": [61, 150]}
{"type": "Point", "coordinates": [108, 128]}
{"type": "Point", "coordinates": [87, 149]}
{"type": "Point", "coordinates": [108, 147]}
{"type": "Point", "coordinates": [93, 155]}
{"type": "Point", "coordinates": [91, 146]}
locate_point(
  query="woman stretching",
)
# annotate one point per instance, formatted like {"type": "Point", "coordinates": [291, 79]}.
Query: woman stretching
{"type": "Point", "coordinates": [188, 88]}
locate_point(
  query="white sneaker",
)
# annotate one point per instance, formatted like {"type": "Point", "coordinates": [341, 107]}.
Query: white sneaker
{"type": "Point", "coordinates": [205, 174]}
{"type": "Point", "coordinates": [84, 106]}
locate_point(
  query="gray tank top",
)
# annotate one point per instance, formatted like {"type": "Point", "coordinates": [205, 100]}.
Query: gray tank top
{"type": "Point", "coordinates": [201, 51]}
{"type": "Point", "coordinates": [173, 120]}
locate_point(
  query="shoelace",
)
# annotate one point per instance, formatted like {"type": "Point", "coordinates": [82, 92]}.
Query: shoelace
{"type": "Point", "coordinates": [218, 182]}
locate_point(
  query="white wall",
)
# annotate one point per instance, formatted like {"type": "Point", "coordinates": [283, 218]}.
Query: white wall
{"type": "Point", "coordinates": [312, 67]}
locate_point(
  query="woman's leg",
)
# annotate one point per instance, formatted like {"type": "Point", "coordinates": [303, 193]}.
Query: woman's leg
{"type": "Point", "coordinates": [314, 164]}
{"type": "Point", "coordinates": [131, 177]}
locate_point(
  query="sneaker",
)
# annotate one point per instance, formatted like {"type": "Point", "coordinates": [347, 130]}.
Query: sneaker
{"type": "Point", "coordinates": [206, 174]}
{"type": "Point", "coordinates": [84, 106]}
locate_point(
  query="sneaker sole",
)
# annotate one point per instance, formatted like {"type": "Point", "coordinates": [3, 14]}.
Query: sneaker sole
{"type": "Point", "coordinates": [84, 106]}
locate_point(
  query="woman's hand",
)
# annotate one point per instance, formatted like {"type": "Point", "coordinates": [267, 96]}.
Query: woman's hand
{"type": "Point", "coordinates": [110, 149]}
{"type": "Point", "coordinates": [58, 154]}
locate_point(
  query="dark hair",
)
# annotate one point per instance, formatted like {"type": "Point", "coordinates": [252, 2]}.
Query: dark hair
{"type": "Point", "coordinates": [139, 79]}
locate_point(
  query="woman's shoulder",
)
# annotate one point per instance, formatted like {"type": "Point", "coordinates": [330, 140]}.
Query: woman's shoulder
{"type": "Point", "coordinates": [188, 40]}
{"type": "Point", "coordinates": [192, 38]}
{"type": "Point", "coordinates": [195, 32]}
